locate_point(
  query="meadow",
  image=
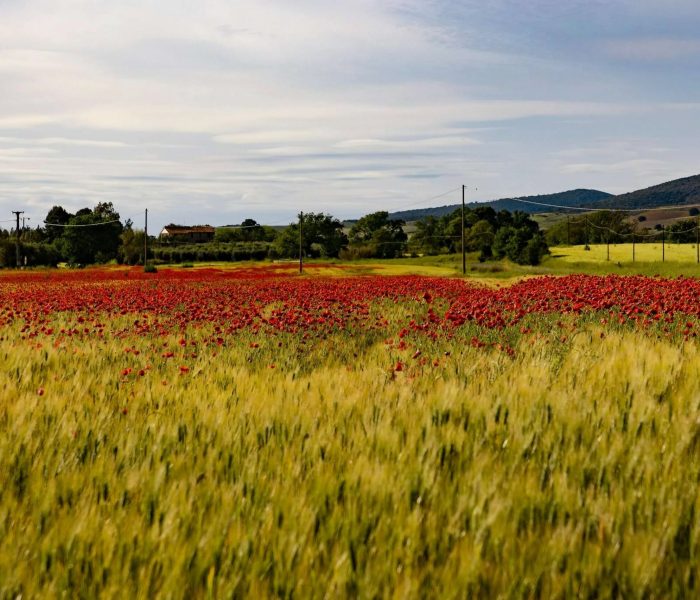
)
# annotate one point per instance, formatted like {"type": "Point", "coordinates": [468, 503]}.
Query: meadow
{"type": "Point", "coordinates": [254, 433]}
{"type": "Point", "coordinates": [678, 260]}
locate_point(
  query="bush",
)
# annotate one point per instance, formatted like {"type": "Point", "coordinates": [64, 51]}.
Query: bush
{"type": "Point", "coordinates": [357, 253]}
{"type": "Point", "coordinates": [214, 252]}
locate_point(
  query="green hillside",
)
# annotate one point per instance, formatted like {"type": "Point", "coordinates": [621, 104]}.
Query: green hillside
{"type": "Point", "coordinates": [672, 193]}
{"type": "Point", "coordinates": [570, 198]}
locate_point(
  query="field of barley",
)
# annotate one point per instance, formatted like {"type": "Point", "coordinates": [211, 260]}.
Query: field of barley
{"type": "Point", "coordinates": [254, 433]}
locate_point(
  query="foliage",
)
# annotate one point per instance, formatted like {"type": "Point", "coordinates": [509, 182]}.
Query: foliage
{"type": "Point", "coordinates": [322, 236]}
{"type": "Point", "coordinates": [96, 244]}
{"type": "Point", "coordinates": [248, 231]}
{"type": "Point", "coordinates": [210, 252]}
{"type": "Point", "coordinates": [488, 232]}
{"type": "Point", "coordinates": [519, 245]}
{"type": "Point", "coordinates": [683, 231]}
{"type": "Point", "coordinates": [598, 227]}
{"type": "Point", "coordinates": [131, 247]}
{"type": "Point", "coordinates": [428, 237]}
{"type": "Point", "coordinates": [380, 236]}
{"type": "Point", "coordinates": [57, 215]}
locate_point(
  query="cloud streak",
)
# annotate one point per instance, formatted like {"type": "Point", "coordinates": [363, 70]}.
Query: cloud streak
{"type": "Point", "coordinates": [228, 110]}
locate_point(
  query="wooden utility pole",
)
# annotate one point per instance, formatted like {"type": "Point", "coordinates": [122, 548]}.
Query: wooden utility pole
{"type": "Point", "coordinates": [301, 242]}
{"type": "Point", "coordinates": [697, 239]}
{"type": "Point", "coordinates": [464, 254]}
{"type": "Point", "coordinates": [633, 248]}
{"type": "Point", "coordinates": [145, 240]}
{"type": "Point", "coordinates": [663, 244]}
{"type": "Point", "coordinates": [17, 213]}
{"type": "Point", "coordinates": [568, 231]}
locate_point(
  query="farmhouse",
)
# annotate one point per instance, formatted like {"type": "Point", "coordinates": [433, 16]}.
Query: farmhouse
{"type": "Point", "coordinates": [183, 233]}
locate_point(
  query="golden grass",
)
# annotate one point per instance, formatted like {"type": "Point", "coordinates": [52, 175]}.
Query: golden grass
{"type": "Point", "coordinates": [569, 471]}
{"type": "Point", "coordinates": [644, 253]}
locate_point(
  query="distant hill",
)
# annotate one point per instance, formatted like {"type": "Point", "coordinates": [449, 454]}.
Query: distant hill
{"type": "Point", "coordinates": [672, 193]}
{"type": "Point", "coordinates": [570, 198]}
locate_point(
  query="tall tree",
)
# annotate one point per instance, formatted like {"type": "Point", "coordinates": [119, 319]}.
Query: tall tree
{"type": "Point", "coordinates": [322, 236]}
{"type": "Point", "coordinates": [57, 216]}
{"type": "Point", "coordinates": [384, 236]}
{"type": "Point", "coordinates": [95, 237]}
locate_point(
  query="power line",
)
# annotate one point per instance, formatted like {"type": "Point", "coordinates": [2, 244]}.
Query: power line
{"type": "Point", "coordinates": [603, 209]}
{"type": "Point", "coordinates": [634, 233]}
{"type": "Point", "coordinates": [425, 200]}
{"type": "Point", "coordinates": [433, 198]}
{"type": "Point", "coordinates": [82, 224]}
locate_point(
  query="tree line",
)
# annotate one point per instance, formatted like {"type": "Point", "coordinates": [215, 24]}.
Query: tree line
{"type": "Point", "coordinates": [97, 235]}
{"type": "Point", "coordinates": [68, 237]}
{"type": "Point", "coordinates": [503, 234]}
{"type": "Point", "coordinates": [606, 226]}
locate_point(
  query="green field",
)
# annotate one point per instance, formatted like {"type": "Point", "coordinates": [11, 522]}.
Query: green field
{"type": "Point", "coordinates": [643, 253]}
{"type": "Point", "coordinates": [679, 259]}
{"type": "Point", "coordinates": [555, 456]}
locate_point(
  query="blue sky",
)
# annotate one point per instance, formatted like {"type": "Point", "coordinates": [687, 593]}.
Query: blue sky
{"type": "Point", "coordinates": [218, 110]}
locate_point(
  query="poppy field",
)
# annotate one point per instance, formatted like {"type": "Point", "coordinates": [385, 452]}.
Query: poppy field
{"type": "Point", "coordinates": [251, 432]}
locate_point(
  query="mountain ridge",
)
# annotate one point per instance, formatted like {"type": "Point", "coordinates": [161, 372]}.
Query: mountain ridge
{"type": "Point", "coordinates": [572, 198]}
{"type": "Point", "coordinates": [677, 192]}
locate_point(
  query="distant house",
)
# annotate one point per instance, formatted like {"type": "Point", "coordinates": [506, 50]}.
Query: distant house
{"type": "Point", "coordinates": [183, 233]}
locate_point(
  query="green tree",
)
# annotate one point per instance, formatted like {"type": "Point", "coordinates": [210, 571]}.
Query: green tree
{"type": "Point", "coordinates": [429, 237]}
{"type": "Point", "coordinates": [248, 231]}
{"type": "Point", "coordinates": [480, 235]}
{"type": "Point", "coordinates": [322, 235]}
{"type": "Point", "coordinates": [519, 245]}
{"type": "Point", "coordinates": [131, 245]}
{"type": "Point", "coordinates": [95, 235]}
{"type": "Point", "coordinates": [58, 216]}
{"type": "Point", "coordinates": [385, 237]}
{"type": "Point", "coordinates": [595, 228]}
{"type": "Point", "coordinates": [682, 231]}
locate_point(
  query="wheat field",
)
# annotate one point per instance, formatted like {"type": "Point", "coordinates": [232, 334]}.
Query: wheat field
{"type": "Point", "coordinates": [567, 467]}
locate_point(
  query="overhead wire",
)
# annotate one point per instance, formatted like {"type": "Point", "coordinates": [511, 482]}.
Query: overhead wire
{"type": "Point", "coordinates": [81, 224]}
{"type": "Point", "coordinates": [602, 208]}
{"type": "Point", "coordinates": [119, 220]}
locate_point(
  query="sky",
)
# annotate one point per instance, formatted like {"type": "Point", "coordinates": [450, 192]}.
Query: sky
{"type": "Point", "coordinates": [220, 110]}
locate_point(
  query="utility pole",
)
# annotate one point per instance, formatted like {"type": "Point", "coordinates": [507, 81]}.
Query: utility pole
{"type": "Point", "coordinates": [17, 213]}
{"type": "Point", "coordinates": [697, 239]}
{"type": "Point", "coordinates": [568, 230]}
{"type": "Point", "coordinates": [608, 240]}
{"type": "Point", "coordinates": [633, 249]}
{"type": "Point", "coordinates": [145, 240]}
{"type": "Point", "coordinates": [663, 244]}
{"type": "Point", "coordinates": [301, 243]}
{"type": "Point", "coordinates": [586, 247]}
{"type": "Point", "coordinates": [464, 255]}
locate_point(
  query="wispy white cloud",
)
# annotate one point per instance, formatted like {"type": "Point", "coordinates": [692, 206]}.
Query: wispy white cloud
{"type": "Point", "coordinates": [234, 107]}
